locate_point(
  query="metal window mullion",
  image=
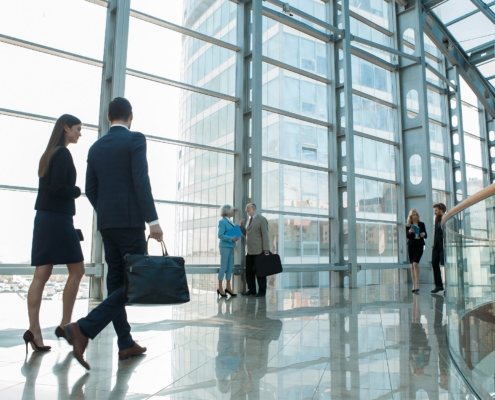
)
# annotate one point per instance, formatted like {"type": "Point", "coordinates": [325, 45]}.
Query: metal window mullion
{"type": "Point", "coordinates": [490, 126]}
{"type": "Point", "coordinates": [307, 16]}
{"type": "Point", "coordinates": [50, 51]}
{"type": "Point", "coordinates": [373, 98]}
{"type": "Point", "coordinates": [190, 144]}
{"type": "Point", "coordinates": [436, 122]}
{"type": "Point", "coordinates": [377, 179]}
{"type": "Point", "coordinates": [377, 138]}
{"type": "Point", "coordinates": [181, 85]}
{"type": "Point", "coordinates": [297, 214]}
{"type": "Point", "coordinates": [295, 116]}
{"type": "Point", "coordinates": [295, 164]}
{"type": "Point", "coordinates": [296, 70]}
{"type": "Point", "coordinates": [367, 56]}
{"type": "Point", "coordinates": [297, 25]}
{"type": "Point", "coordinates": [112, 85]}
{"type": "Point", "coordinates": [378, 221]}
{"type": "Point", "coordinates": [384, 48]}
{"type": "Point", "coordinates": [41, 118]}
{"type": "Point", "coordinates": [185, 31]}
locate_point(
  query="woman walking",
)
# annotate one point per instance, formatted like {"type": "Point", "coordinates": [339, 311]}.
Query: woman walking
{"type": "Point", "coordinates": [227, 246]}
{"type": "Point", "coordinates": [55, 241]}
{"type": "Point", "coordinates": [416, 235]}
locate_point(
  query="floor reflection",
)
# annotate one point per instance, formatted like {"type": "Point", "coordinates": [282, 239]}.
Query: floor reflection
{"type": "Point", "coordinates": [375, 342]}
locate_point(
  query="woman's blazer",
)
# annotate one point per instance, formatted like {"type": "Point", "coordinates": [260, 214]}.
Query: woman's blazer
{"type": "Point", "coordinates": [411, 237]}
{"type": "Point", "coordinates": [225, 225]}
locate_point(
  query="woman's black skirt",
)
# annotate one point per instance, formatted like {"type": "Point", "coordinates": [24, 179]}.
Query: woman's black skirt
{"type": "Point", "coordinates": [415, 251]}
{"type": "Point", "coordinates": [55, 240]}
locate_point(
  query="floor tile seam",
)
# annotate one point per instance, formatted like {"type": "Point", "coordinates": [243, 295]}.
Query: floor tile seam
{"type": "Point", "coordinates": [386, 355]}
{"type": "Point", "coordinates": [321, 378]}
{"type": "Point", "coordinates": [9, 387]}
{"type": "Point", "coordinates": [182, 377]}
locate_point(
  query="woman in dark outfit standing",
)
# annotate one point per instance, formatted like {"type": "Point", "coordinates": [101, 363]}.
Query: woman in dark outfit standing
{"type": "Point", "coordinates": [55, 241]}
{"type": "Point", "coordinates": [416, 235]}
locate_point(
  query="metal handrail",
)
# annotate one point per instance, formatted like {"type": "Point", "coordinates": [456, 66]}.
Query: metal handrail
{"type": "Point", "coordinates": [483, 194]}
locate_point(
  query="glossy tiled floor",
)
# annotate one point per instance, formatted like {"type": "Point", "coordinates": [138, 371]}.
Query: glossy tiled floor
{"type": "Point", "coordinates": [375, 342]}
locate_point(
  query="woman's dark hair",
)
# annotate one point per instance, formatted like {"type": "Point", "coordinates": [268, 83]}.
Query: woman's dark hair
{"type": "Point", "coordinates": [119, 109]}
{"type": "Point", "coordinates": [57, 139]}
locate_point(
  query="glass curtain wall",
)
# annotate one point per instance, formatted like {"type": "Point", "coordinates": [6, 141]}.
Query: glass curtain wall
{"type": "Point", "coordinates": [190, 96]}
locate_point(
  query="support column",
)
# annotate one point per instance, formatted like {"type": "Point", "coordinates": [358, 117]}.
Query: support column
{"type": "Point", "coordinates": [414, 119]}
{"type": "Point", "coordinates": [345, 146]}
{"type": "Point", "coordinates": [255, 164]}
{"type": "Point", "coordinates": [457, 137]}
{"type": "Point", "coordinates": [490, 140]}
{"type": "Point", "coordinates": [112, 85]}
{"type": "Point", "coordinates": [241, 125]}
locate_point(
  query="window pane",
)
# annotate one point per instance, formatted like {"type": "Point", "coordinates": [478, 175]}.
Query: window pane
{"type": "Point", "coordinates": [62, 86]}
{"type": "Point", "coordinates": [47, 22]}
{"type": "Point", "coordinates": [376, 200]}
{"type": "Point", "coordinates": [364, 31]}
{"type": "Point", "coordinates": [295, 48]}
{"type": "Point", "coordinates": [377, 243]}
{"type": "Point", "coordinates": [180, 57]}
{"type": "Point", "coordinates": [215, 18]}
{"type": "Point", "coordinates": [294, 93]}
{"type": "Point", "coordinates": [471, 120]}
{"type": "Point", "coordinates": [475, 180]}
{"type": "Point", "coordinates": [438, 173]}
{"type": "Point", "coordinates": [373, 118]}
{"type": "Point", "coordinates": [371, 79]}
{"type": "Point", "coordinates": [374, 158]}
{"type": "Point", "coordinates": [293, 189]}
{"type": "Point", "coordinates": [375, 11]}
{"type": "Point", "coordinates": [294, 140]}
{"type": "Point", "coordinates": [472, 148]}
{"type": "Point", "coordinates": [437, 138]}
{"type": "Point", "coordinates": [166, 111]}
{"type": "Point", "coordinates": [299, 240]}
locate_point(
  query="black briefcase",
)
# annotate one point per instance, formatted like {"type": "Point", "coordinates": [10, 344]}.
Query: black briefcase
{"type": "Point", "coordinates": [266, 265]}
{"type": "Point", "coordinates": [155, 280]}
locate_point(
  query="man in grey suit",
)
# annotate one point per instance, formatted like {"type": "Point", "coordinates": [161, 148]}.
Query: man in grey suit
{"type": "Point", "coordinates": [257, 242]}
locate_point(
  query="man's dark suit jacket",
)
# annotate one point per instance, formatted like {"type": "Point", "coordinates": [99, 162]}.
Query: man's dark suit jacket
{"type": "Point", "coordinates": [117, 181]}
{"type": "Point", "coordinates": [438, 239]}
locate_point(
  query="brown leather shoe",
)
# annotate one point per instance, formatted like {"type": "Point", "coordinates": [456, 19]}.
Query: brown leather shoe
{"type": "Point", "coordinates": [78, 341]}
{"type": "Point", "coordinates": [135, 350]}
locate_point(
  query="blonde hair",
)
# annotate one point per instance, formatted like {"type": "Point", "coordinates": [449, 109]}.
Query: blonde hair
{"type": "Point", "coordinates": [409, 218]}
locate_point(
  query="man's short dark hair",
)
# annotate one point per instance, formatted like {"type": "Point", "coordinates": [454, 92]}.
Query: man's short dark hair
{"type": "Point", "coordinates": [119, 109]}
{"type": "Point", "coordinates": [440, 206]}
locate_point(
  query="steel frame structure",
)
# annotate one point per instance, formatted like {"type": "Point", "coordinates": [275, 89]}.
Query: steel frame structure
{"type": "Point", "coordinates": [408, 71]}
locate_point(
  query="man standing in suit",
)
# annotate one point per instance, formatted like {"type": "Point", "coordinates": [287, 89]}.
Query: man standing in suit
{"type": "Point", "coordinates": [437, 254]}
{"type": "Point", "coordinates": [118, 187]}
{"type": "Point", "coordinates": [257, 243]}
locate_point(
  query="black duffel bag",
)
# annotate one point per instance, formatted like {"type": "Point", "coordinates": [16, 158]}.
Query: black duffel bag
{"type": "Point", "coordinates": [267, 264]}
{"type": "Point", "coordinates": [155, 280]}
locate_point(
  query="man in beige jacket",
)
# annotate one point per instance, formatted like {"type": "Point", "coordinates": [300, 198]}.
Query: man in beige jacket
{"type": "Point", "coordinates": [257, 242]}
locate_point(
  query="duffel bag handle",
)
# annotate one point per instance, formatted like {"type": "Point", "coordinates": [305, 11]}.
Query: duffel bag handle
{"type": "Point", "coordinates": [164, 248]}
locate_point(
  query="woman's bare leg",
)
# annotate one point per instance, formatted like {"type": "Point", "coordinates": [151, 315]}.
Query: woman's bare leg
{"type": "Point", "coordinates": [76, 272]}
{"type": "Point", "coordinates": [34, 296]}
{"type": "Point", "coordinates": [416, 275]}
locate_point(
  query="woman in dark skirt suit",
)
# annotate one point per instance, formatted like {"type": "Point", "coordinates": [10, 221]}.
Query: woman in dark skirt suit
{"type": "Point", "coordinates": [55, 241]}
{"type": "Point", "coordinates": [416, 235]}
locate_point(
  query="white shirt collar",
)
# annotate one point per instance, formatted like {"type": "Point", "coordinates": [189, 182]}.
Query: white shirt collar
{"type": "Point", "coordinates": [123, 126]}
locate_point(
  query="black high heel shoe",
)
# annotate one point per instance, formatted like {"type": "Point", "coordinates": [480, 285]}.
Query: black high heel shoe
{"type": "Point", "coordinates": [231, 294]}
{"type": "Point", "coordinates": [223, 295]}
{"type": "Point", "coordinates": [29, 338]}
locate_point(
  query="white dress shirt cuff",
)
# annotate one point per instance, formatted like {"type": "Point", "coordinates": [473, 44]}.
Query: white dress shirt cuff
{"type": "Point", "coordinates": [156, 222]}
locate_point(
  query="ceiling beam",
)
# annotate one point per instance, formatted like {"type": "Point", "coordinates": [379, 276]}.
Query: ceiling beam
{"type": "Point", "coordinates": [454, 53]}
{"type": "Point", "coordinates": [429, 4]}
{"type": "Point", "coordinates": [482, 53]}
{"type": "Point", "coordinates": [485, 10]}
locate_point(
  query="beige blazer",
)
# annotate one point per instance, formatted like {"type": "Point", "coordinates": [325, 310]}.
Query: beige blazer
{"type": "Point", "coordinates": [257, 239]}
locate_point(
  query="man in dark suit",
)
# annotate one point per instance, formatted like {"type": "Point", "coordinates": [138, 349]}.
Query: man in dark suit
{"type": "Point", "coordinates": [437, 254]}
{"type": "Point", "coordinates": [118, 187]}
{"type": "Point", "coordinates": [257, 242]}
